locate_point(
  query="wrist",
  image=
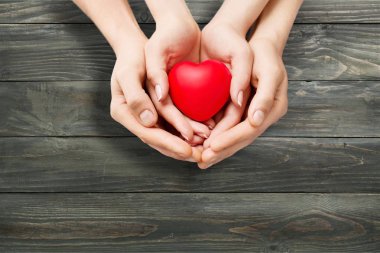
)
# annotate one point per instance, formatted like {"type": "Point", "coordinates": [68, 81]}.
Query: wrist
{"type": "Point", "coordinates": [273, 38]}
{"type": "Point", "coordinates": [125, 39]}
{"type": "Point", "coordinates": [169, 11]}
{"type": "Point", "coordinates": [184, 23]}
{"type": "Point", "coordinates": [239, 14]}
{"type": "Point", "coordinates": [241, 27]}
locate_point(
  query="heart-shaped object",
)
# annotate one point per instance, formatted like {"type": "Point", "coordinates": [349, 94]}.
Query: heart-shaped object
{"type": "Point", "coordinates": [200, 90]}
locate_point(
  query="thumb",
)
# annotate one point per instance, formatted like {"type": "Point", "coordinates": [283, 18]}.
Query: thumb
{"type": "Point", "coordinates": [241, 67]}
{"type": "Point", "coordinates": [139, 102]}
{"type": "Point", "coordinates": [262, 101]}
{"type": "Point", "coordinates": [156, 72]}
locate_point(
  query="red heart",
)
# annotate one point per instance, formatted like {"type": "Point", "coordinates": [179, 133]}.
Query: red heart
{"type": "Point", "coordinates": [200, 90]}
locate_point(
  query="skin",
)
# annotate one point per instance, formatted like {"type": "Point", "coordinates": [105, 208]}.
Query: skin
{"type": "Point", "coordinates": [177, 37]}
{"type": "Point", "coordinates": [224, 39]}
{"type": "Point", "coordinates": [130, 105]}
{"type": "Point", "coordinates": [268, 77]}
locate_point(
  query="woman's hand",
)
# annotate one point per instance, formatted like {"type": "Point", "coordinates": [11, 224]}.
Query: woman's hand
{"type": "Point", "coordinates": [224, 43]}
{"type": "Point", "coordinates": [132, 107]}
{"type": "Point", "coordinates": [268, 105]}
{"type": "Point", "coordinates": [177, 38]}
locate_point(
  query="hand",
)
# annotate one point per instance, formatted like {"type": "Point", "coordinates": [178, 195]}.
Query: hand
{"type": "Point", "coordinates": [268, 105]}
{"type": "Point", "coordinates": [172, 42]}
{"type": "Point", "coordinates": [225, 43]}
{"type": "Point", "coordinates": [132, 107]}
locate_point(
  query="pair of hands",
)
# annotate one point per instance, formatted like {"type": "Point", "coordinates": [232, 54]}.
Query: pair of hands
{"type": "Point", "coordinates": [157, 122]}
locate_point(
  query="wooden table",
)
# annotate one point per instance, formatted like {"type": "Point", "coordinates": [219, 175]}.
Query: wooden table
{"type": "Point", "coordinates": [73, 180]}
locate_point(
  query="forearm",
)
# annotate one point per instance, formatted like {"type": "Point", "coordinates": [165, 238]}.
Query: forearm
{"type": "Point", "coordinates": [115, 20]}
{"type": "Point", "coordinates": [169, 11]}
{"type": "Point", "coordinates": [276, 21]}
{"type": "Point", "coordinates": [240, 14]}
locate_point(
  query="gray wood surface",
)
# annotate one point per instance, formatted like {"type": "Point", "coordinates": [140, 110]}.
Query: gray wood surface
{"type": "Point", "coordinates": [73, 180]}
{"type": "Point", "coordinates": [316, 109]}
{"type": "Point", "coordinates": [189, 223]}
{"type": "Point", "coordinates": [64, 11]}
{"type": "Point", "coordinates": [47, 164]}
{"type": "Point", "coordinates": [50, 52]}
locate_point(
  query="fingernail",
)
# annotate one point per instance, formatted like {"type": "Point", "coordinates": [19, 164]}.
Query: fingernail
{"type": "Point", "coordinates": [203, 135]}
{"type": "Point", "coordinates": [258, 118]}
{"type": "Point", "coordinates": [210, 127]}
{"type": "Point", "coordinates": [146, 117]}
{"type": "Point", "coordinates": [240, 98]}
{"type": "Point", "coordinates": [186, 138]}
{"type": "Point", "coordinates": [158, 91]}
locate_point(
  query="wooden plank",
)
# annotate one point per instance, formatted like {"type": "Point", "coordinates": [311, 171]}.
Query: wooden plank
{"type": "Point", "coordinates": [316, 109]}
{"type": "Point", "coordinates": [47, 164]}
{"type": "Point", "coordinates": [63, 11]}
{"type": "Point", "coordinates": [189, 223]}
{"type": "Point", "coordinates": [41, 52]}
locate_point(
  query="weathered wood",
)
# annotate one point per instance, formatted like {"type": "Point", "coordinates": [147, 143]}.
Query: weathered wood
{"type": "Point", "coordinates": [189, 223]}
{"type": "Point", "coordinates": [40, 164]}
{"type": "Point", "coordinates": [79, 52]}
{"type": "Point", "coordinates": [339, 11]}
{"type": "Point", "coordinates": [316, 109]}
{"type": "Point", "coordinates": [64, 11]}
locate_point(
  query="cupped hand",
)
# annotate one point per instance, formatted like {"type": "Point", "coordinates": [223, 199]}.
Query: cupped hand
{"type": "Point", "coordinates": [133, 108]}
{"type": "Point", "coordinates": [172, 42]}
{"type": "Point", "coordinates": [268, 105]}
{"type": "Point", "coordinates": [225, 43]}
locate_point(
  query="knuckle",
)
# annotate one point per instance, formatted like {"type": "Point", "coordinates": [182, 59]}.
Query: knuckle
{"type": "Point", "coordinates": [136, 100]}
{"type": "Point", "coordinates": [266, 103]}
{"type": "Point", "coordinates": [184, 153]}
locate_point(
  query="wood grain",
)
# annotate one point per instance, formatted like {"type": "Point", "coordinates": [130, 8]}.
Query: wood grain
{"type": "Point", "coordinates": [189, 223]}
{"type": "Point", "coordinates": [48, 52]}
{"type": "Point", "coordinates": [316, 109]}
{"type": "Point", "coordinates": [47, 164]}
{"type": "Point", "coordinates": [73, 180]}
{"type": "Point", "coordinates": [63, 11]}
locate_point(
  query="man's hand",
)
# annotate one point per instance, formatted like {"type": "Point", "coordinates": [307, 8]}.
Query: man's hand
{"type": "Point", "coordinates": [268, 105]}
{"type": "Point", "coordinates": [269, 78]}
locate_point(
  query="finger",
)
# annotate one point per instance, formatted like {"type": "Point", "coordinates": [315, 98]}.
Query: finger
{"type": "Point", "coordinates": [210, 123]}
{"type": "Point", "coordinates": [245, 131]}
{"type": "Point", "coordinates": [199, 128]}
{"type": "Point", "coordinates": [219, 116]}
{"type": "Point", "coordinates": [137, 100]}
{"type": "Point", "coordinates": [232, 116]}
{"type": "Point", "coordinates": [197, 140]}
{"type": "Point", "coordinates": [170, 153]}
{"type": "Point", "coordinates": [236, 134]}
{"type": "Point", "coordinates": [172, 115]}
{"type": "Point", "coordinates": [152, 136]}
{"type": "Point", "coordinates": [197, 153]}
{"type": "Point", "coordinates": [241, 67]}
{"type": "Point", "coordinates": [263, 100]}
{"type": "Point", "coordinates": [210, 157]}
{"type": "Point", "coordinates": [199, 148]}
{"type": "Point", "coordinates": [156, 67]}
